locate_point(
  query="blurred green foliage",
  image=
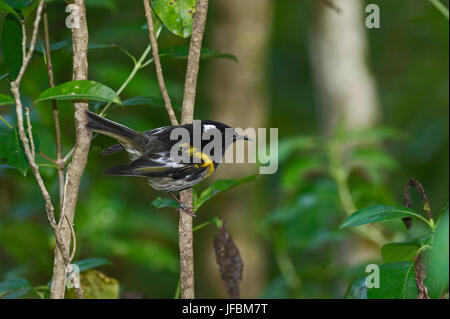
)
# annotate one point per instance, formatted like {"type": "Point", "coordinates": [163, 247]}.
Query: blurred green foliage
{"type": "Point", "coordinates": [320, 181]}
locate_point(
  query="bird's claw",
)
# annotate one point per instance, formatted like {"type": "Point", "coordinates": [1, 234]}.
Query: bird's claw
{"type": "Point", "coordinates": [188, 210]}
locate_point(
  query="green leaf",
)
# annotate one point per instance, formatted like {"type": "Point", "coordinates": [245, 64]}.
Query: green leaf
{"type": "Point", "coordinates": [357, 289]}
{"type": "Point", "coordinates": [396, 282]}
{"type": "Point", "coordinates": [96, 285]}
{"type": "Point", "coordinates": [6, 99]}
{"type": "Point", "coordinates": [221, 186]}
{"type": "Point", "coordinates": [372, 158]}
{"type": "Point", "coordinates": [11, 151]}
{"type": "Point", "coordinates": [80, 90]}
{"type": "Point", "coordinates": [182, 52]}
{"type": "Point", "coordinates": [19, 4]}
{"type": "Point", "coordinates": [137, 100]}
{"type": "Point", "coordinates": [90, 263]}
{"type": "Point", "coordinates": [379, 213]}
{"type": "Point", "coordinates": [53, 47]}
{"type": "Point", "coordinates": [177, 16]}
{"type": "Point", "coordinates": [14, 288]}
{"type": "Point", "coordinates": [165, 202]}
{"type": "Point", "coordinates": [289, 145]}
{"type": "Point", "coordinates": [399, 252]}
{"type": "Point", "coordinates": [4, 7]}
{"type": "Point", "coordinates": [12, 45]}
{"type": "Point", "coordinates": [438, 276]}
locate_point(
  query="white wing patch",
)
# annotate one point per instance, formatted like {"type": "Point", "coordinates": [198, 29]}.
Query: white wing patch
{"type": "Point", "coordinates": [207, 127]}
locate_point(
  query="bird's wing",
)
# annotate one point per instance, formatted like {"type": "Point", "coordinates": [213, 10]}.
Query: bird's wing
{"type": "Point", "coordinates": [150, 133]}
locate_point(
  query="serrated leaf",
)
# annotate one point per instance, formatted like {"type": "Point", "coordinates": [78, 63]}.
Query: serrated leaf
{"type": "Point", "coordinates": [90, 263]}
{"type": "Point", "coordinates": [6, 99]}
{"type": "Point", "coordinates": [11, 38]}
{"type": "Point", "coordinates": [80, 90]}
{"type": "Point", "coordinates": [177, 16]}
{"type": "Point", "coordinates": [399, 252]}
{"type": "Point", "coordinates": [221, 186]}
{"type": "Point", "coordinates": [182, 52]}
{"type": "Point", "coordinates": [396, 282]}
{"type": "Point", "coordinates": [378, 213]}
{"type": "Point", "coordinates": [165, 202]}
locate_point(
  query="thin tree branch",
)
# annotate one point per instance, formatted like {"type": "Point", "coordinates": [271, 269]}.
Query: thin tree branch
{"type": "Point", "coordinates": [82, 143]}
{"type": "Point", "coordinates": [28, 148]}
{"type": "Point", "coordinates": [185, 224]}
{"type": "Point", "coordinates": [48, 158]}
{"type": "Point", "coordinates": [30, 132]}
{"type": "Point", "coordinates": [159, 72]}
{"type": "Point", "coordinates": [59, 157]}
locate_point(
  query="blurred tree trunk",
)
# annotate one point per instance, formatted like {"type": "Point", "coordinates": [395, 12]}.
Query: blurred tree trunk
{"type": "Point", "coordinates": [238, 98]}
{"type": "Point", "coordinates": [338, 45]}
{"type": "Point", "coordinates": [344, 85]}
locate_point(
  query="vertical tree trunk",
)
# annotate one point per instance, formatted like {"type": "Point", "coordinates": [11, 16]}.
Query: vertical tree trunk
{"type": "Point", "coordinates": [237, 95]}
{"type": "Point", "coordinates": [82, 143]}
{"type": "Point", "coordinates": [338, 46]}
{"type": "Point", "coordinates": [345, 87]}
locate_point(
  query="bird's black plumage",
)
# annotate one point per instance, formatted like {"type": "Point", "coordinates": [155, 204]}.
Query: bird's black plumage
{"type": "Point", "coordinates": [150, 152]}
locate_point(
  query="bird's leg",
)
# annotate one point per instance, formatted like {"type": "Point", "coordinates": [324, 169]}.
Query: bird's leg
{"type": "Point", "coordinates": [187, 210]}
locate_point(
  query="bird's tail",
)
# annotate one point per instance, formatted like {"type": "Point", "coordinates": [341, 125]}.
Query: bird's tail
{"type": "Point", "coordinates": [123, 134]}
{"type": "Point", "coordinates": [103, 126]}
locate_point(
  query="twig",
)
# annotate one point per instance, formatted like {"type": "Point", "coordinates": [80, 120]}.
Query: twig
{"type": "Point", "coordinates": [187, 116]}
{"type": "Point", "coordinates": [15, 85]}
{"type": "Point", "coordinates": [48, 158]}
{"type": "Point", "coordinates": [159, 72]}
{"type": "Point", "coordinates": [30, 132]}
{"type": "Point", "coordinates": [59, 158]}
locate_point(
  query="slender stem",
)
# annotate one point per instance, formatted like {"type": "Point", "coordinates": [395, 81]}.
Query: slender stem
{"type": "Point", "coordinates": [6, 122]}
{"type": "Point", "coordinates": [159, 72]}
{"type": "Point", "coordinates": [214, 220]}
{"type": "Point", "coordinates": [48, 158]}
{"type": "Point", "coordinates": [286, 265]}
{"type": "Point", "coordinates": [30, 132]}
{"type": "Point", "coordinates": [177, 291]}
{"type": "Point", "coordinates": [137, 66]}
{"type": "Point", "coordinates": [15, 85]}
{"type": "Point", "coordinates": [340, 175]}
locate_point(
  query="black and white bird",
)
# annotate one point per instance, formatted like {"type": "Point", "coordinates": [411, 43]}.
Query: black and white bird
{"type": "Point", "coordinates": [152, 155]}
